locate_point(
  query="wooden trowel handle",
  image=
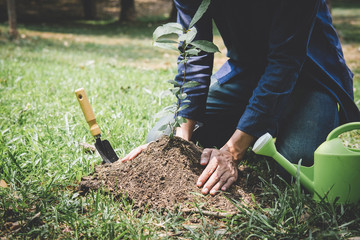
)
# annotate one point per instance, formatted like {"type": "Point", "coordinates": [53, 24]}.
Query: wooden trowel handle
{"type": "Point", "coordinates": [88, 112]}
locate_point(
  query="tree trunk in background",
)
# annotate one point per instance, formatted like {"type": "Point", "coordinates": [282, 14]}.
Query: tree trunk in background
{"type": "Point", "coordinates": [128, 12]}
{"type": "Point", "coordinates": [89, 7]}
{"type": "Point", "coordinates": [12, 19]}
{"type": "Point", "coordinates": [173, 13]}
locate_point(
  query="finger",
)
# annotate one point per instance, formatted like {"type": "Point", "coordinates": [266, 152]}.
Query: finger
{"type": "Point", "coordinates": [124, 159]}
{"type": "Point", "coordinates": [208, 171]}
{"type": "Point", "coordinates": [214, 179]}
{"type": "Point", "coordinates": [223, 179]}
{"type": "Point", "coordinates": [205, 156]}
{"type": "Point", "coordinates": [134, 153]}
{"type": "Point", "coordinates": [131, 155]}
{"type": "Point", "coordinates": [228, 183]}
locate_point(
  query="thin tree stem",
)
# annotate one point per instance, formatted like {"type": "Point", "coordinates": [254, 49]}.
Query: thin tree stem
{"type": "Point", "coordinates": [181, 90]}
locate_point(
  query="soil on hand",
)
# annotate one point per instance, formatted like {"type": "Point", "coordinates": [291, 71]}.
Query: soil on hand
{"type": "Point", "coordinates": [164, 176]}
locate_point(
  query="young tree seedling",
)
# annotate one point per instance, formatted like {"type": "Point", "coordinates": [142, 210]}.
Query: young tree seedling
{"type": "Point", "coordinates": [187, 47]}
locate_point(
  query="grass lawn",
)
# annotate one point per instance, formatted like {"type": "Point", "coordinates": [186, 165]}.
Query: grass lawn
{"type": "Point", "coordinates": [42, 127]}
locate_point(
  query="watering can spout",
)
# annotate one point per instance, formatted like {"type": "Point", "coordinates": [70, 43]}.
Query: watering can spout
{"type": "Point", "coordinates": [265, 146]}
{"type": "Point", "coordinates": [335, 175]}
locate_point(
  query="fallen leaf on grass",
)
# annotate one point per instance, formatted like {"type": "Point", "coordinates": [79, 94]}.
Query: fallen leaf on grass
{"type": "Point", "coordinates": [12, 226]}
{"type": "Point", "coordinates": [209, 213]}
{"type": "Point", "coordinates": [66, 229]}
{"type": "Point", "coordinates": [88, 148]}
{"type": "Point", "coordinates": [3, 184]}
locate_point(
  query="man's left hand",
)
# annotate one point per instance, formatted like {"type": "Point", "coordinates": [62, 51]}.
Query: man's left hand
{"type": "Point", "coordinates": [220, 173]}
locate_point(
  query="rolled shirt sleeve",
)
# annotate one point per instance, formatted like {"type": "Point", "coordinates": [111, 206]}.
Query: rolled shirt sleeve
{"type": "Point", "coordinates": [288, 43]}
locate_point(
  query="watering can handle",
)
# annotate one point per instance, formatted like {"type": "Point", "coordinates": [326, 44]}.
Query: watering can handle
{"type": "Point", "coordinates": [343, 128]}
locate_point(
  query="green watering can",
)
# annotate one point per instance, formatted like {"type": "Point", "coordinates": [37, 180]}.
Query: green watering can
{"type": "Point", "coordinates": [335, 174]}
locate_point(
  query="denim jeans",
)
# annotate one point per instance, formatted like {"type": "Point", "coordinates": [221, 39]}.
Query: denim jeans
{"type": "Point", "coordinates": [309, 116]}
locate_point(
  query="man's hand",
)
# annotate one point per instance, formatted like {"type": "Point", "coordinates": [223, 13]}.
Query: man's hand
{"type": "Point", "coordinates": [184, 132]}
{"type": "Point", "coordinates": [221, 171]}
{"type": "Point", "coordinates": [134, 153]}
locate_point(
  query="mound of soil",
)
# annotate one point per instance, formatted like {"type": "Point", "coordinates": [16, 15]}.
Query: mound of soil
{"type": "Point", "coordinates": [164, 175]}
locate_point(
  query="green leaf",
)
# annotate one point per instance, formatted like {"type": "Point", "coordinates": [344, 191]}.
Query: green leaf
{"type": "Point", "coordinates": [200, 12]}
{"type": "Point", "coordinates": [166, 111]}
{"type": "Point", "coordinates": [182, 107]}
{"type": "Point", "coordinates": [180, 119]}
{"type": "Point", "coordinates": [176, 124]}
{"type": "Point", "coordinates": [174, 25]}
{"type": "Point", "coordinates": [167, 46]}
{"type": "Point", "coordinates": [183, 61]}
{"type": "Point", "coordinates": [166, 41]}
{"type": "Point", "coordinates": [171, 108]}
{"type": "Point", "coordinates": [205, 46]}
{"type": "Point", "coordinates": [190, 84]}
{"type": "Point", "coordinates": [163, 127]}
{"type": "Point", "coordinates": [188, 36]}
{"type": "Point", "coordinates": [182, 96]}
{"type": "Point", "coordinates": [192, 52]}
{"type": "Point", "coordinates": [167, 29]}
{"type": "Point", "coordinates": [175, 90]}
{"type": "Point", "coordinates": [175, 83]}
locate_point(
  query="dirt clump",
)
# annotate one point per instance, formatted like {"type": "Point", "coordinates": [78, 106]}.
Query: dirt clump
{"type": "Point", "coordinates": [164, 176]}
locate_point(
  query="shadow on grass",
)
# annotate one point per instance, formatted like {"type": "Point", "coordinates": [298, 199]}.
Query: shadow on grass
{"type": "Point", "coordinates": [345, 4]}
{"type": "Point", "coordinates": [346, 18]}
{"type": "Point", "coordinates": [143, 27]}
{"type": "Point", "coordinates": [110, 38]}
{"type": "Point", "coordinates": [349, 33]}
{"type": "Point", "coordinates": [107, 38]}
{"type": "Point", "coordinates": [138, 29]}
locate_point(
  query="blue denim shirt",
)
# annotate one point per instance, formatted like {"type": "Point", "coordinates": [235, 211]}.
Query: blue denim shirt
{"type": "Point", "coordinates": [279, 39]}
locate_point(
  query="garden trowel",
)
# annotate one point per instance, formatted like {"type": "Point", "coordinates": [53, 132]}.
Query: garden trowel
{"type": "Point", "coordinates": [102, 146]}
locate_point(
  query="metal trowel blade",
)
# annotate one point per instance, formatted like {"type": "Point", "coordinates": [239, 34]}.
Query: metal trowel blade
{"type": "Point", "coordinates": [106, 151]}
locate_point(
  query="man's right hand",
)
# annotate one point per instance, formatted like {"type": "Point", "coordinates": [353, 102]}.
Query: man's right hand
{"type": "Point", "coordinates": [134, 153]}
{"type": "Point", "coordinates": [184, 132]}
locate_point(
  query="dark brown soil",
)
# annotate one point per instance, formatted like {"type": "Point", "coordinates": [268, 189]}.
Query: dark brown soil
{"type": "Point", "coordinates": [164, 176]}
